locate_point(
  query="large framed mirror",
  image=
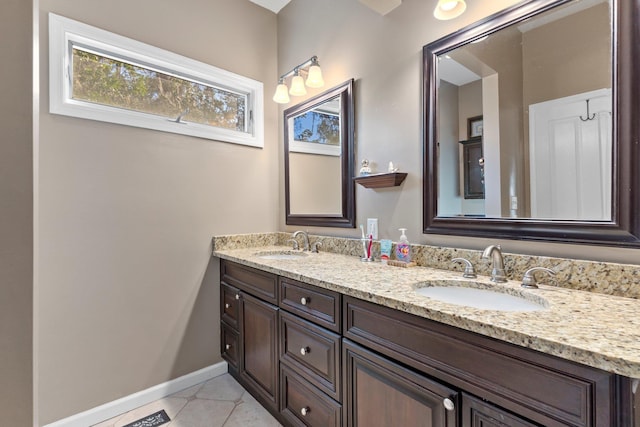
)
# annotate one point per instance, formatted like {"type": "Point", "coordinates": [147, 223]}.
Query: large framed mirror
{"type": "Point", "coordinates": [319, 160]}
{"type": "Point", "coordinates": [537, 107]}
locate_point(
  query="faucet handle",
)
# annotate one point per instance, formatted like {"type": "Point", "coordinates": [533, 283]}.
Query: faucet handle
{"type": "Point", "coordinates": [294, 242]}
{"type": "Point", "coordinates": [529, 279]}
{"type": "Point", "coordinates": [469, 272]}
{"type": "Point", "coordinates": [314, 247]}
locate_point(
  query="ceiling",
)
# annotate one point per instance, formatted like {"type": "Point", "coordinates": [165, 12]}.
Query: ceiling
{"type": "Point", "coordinates": [272, 5]}
{"type": "Point", "coordinates": [381, 6]}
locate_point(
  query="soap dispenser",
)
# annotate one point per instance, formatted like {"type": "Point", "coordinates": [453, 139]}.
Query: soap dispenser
{"type": "Point", "coordinates": [403, 250]}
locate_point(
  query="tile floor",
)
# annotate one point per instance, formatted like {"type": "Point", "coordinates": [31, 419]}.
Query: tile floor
{"type": "Point", "coordinates": [219, 402]}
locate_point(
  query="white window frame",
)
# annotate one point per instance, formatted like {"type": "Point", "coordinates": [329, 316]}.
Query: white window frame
{"type": "Point", "coordinates": [65, 33]}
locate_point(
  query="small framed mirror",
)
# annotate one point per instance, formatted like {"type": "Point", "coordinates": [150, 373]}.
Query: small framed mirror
{"type": "Point", "coordinates": [319, 160]}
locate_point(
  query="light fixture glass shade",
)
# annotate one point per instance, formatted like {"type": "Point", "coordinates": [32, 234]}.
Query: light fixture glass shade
{"type": "Point", "coordinates": [282, 94]}
{"type": "Point", "coordinates": [297, 86]}
{"type": "Point", "coordinates": [449, 9]}
{"type": "Point", "coordinates": [314, 79]}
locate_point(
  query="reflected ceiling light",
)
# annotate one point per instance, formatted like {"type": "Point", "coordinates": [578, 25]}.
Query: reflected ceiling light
{"type": "Point", "coordinates": [449, 9]}
{"type": "Point", "coordinates": [314, 79]}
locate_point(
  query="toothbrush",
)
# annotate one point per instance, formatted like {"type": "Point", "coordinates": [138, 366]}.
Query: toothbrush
{"type": "Point", "coordinates": [369, 248]}
{"type": "Point", "coordinates": [364, 242]}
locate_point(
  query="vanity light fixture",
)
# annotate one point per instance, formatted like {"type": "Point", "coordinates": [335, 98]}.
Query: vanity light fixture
{"type": "Point", "coordinates": [314, 79]}
{"type": "Point", "coordinates": [449, 9]}
{"type": "Point", "coordinates": [297, 85]}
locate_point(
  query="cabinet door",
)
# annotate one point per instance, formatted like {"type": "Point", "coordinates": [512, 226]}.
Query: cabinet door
{"type": "Point", "coordinates": [229, 342]}
{"type": "Point", "coordinates": [259, 348]}
{"type": "Point", "coordinates": [476, 413]}
{"type": "Point", "coordinates": [381, 393]}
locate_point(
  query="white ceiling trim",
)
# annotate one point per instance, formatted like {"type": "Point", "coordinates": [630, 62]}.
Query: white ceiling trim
{"type": "Point", "coordinates": [273, 5]}
{"type": "Point", "coordinates": [381, 6]}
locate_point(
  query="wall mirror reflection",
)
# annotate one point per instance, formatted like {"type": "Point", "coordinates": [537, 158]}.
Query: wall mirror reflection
{"type": "Point", "coordinates": [319, 145]}
{"type": "Point", "coordinates": [541, 76]}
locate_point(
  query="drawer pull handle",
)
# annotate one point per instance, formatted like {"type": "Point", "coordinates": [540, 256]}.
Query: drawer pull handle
{"type": "Point", "coordinates": [304, 411]}
{"type": "Point", "coordinates": [305, 301]}
{"type": "Point", "coordinates": [305, 350]}
{"type": "Point", "coordinates": [227, 305]}
{"type": "Point", "coordinates": [227, 347]}
{"type": "Point", "coordinates": [237, 296]}
{"type": "Point", "coordinates": [448, 404]}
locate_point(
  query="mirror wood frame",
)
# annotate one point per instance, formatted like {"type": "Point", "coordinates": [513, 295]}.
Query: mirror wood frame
{"type": "Point", "coordinates": [624, 228]}
{"type": "Point", "coordinates": [347, 218]}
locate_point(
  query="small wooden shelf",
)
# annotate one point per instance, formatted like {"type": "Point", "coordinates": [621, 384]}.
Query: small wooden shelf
{"type": "Point", "coordinates": [381, 180]}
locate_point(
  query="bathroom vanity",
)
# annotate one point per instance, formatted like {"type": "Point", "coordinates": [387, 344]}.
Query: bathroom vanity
{"type": "Point", "coordinates": [325, 340]}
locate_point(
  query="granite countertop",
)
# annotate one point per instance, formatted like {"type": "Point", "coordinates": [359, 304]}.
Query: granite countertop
{"type": "Point", "coordinates": [597, 330]}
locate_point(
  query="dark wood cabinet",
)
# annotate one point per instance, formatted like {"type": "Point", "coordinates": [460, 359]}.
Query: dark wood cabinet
{"type": "Point", "coordinates": [476, 413]}
{"type": "Point", "coordinates": [314, 357]}
{"type": "Point", "coordinates": [312, 351]}
{"type": "Point", "coordinates": [320, 306]}
{"type": "Point", "coordinates": [302, 404]}
{"type": "Point", "coordinates": [259, 344]}
{"type": "Point", "coordinates": [381, 393]}
{"type": "Point", "coordinates": [249, 330]}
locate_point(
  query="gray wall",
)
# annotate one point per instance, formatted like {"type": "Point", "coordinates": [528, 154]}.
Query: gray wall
{"type": "Point", "coordinates": [384, 55]}
{"type": "Point", "coordinates": [16, 213]}
{"type": "Point", "coordinates": [128, 297]}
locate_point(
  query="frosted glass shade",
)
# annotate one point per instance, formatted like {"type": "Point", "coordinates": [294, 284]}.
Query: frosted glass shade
{"type": "Point", "coordinates": [297, 86]}
{"type": "Point", "coordinates": [314, 79]}
{"type": "Point", "coordinates": [449, 9]}
{"type": "Point", "coordinates": [282, 94]}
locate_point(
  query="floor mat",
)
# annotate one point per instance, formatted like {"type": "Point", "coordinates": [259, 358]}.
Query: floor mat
{"type": "Point", "coordinates": [152, 420]}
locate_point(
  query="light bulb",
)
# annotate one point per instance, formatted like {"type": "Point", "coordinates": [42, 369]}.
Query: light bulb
{"type": "Point", "coordinates": [448, 5]}
{"type": "Point", "coordinates": [281, 96]}
{"type": "Point", "coordinates": [314, 79]}
{"type": "Point", "coordinates": [449, 9]}
{"type": "Point", "coordinates": [297, 86]}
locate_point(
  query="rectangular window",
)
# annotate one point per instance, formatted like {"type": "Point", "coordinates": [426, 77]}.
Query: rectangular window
{"type": "Point", "coordinates": [98, 75]}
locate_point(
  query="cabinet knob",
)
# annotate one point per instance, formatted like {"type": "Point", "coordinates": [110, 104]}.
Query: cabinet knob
{"type": "Point", "coordinates": [237, 296]}
{"type": "Point", "coordinates": [305, 301]}
{"type": "Point", "coordinates": [227, 305]}
{"type": "Point", "coordinates": [305, 350]}
{"type": "Point", "coordinates": [304, 411]}
{"type": "Point", "coordinates": [227, 347]}
{"type": "Point", "coordinates": [448, 404]}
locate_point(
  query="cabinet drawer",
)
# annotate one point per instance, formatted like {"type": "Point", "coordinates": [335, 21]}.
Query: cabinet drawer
{"type": "Point", "coordinates": [229, 342]}
{"type": "Point", "coordinates": [302, 404]}
{"type": "Point", "coordinates": [255, 282]}
{"type": "Point", "coordinates": [542, 388]}
{"type": "Point", "coordinates": [321, 306]}
{"type": "Point", "coordinates": [230, 305]}
{"type": "Point", "coordinates": [476, 413]}
{"type": "Point", "coordinates": [312, 352]}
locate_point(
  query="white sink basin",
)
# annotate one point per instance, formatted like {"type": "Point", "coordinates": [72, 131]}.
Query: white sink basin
{"type": "Point", "coordinates": [281, 255]}
{"type": "Point", "coordinates": [482, 296]}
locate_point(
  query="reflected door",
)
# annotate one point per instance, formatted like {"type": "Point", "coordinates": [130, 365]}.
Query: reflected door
{"type": "Point", "coordinates": [570, 155]}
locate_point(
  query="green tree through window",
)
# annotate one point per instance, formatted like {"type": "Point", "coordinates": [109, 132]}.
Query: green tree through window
{"type": "Point", "coordinates": [106, 81]}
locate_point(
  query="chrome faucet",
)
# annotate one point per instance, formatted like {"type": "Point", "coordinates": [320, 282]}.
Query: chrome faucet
{"type": "Point", "coordinates": [497, 263]}
{"type": "Point", "coordinates": [529, 279]}
{"type": "Point", "coordinates": [305, 235]}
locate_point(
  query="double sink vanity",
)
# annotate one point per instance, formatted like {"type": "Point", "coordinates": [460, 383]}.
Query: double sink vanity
{"type": "Point", "coordinates": [322, 339]}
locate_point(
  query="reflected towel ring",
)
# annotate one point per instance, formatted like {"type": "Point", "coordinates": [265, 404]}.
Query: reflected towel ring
{"type": "Point", "coordinates": [589, 117]}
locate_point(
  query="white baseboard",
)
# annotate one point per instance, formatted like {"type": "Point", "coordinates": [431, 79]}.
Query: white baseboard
{"type": "Point", "coordinates": [141, 398]}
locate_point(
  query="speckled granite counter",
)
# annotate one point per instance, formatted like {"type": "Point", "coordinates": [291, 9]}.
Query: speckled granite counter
{"type": "Point", "coordinates": [597, 330]}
